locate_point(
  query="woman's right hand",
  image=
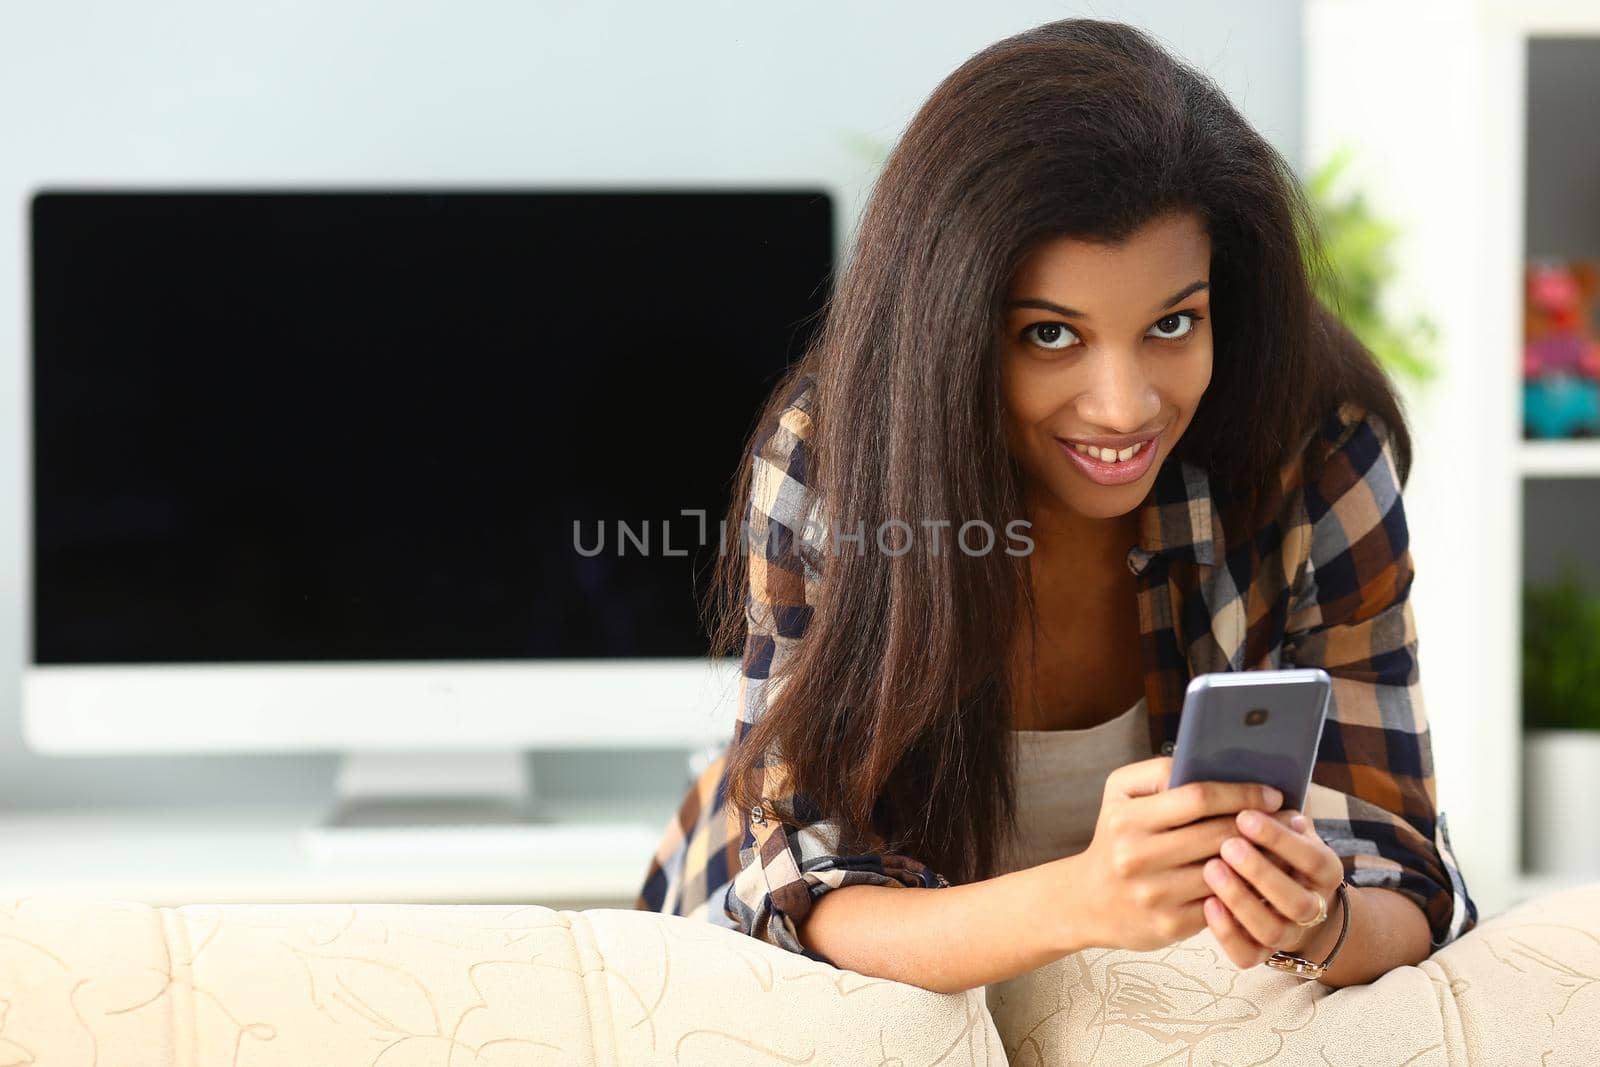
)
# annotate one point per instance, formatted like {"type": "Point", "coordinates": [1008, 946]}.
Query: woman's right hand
{"type": "Point", "coordinates": [1139, 885]}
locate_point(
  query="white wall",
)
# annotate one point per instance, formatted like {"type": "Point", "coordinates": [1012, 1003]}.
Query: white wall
{"type": "Point", "coordinates": [1402, 83]}
{"type": "Point", "coordinates": [370, 93]}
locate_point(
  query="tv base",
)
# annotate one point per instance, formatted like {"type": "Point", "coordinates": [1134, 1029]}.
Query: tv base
{"type": "Point", "coordinates": [357, 813]}
{"type": "Point", "coordinates": [428, 803]}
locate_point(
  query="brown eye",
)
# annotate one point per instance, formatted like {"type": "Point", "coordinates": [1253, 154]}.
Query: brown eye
{"type": "Point", "coordinates": [1175, 320]}
{"type": "Point", "coordinates": [1052, 336]}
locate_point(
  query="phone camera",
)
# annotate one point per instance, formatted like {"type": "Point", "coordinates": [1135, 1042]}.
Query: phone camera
{"type": "Point", "coordinates": [1255, 716]}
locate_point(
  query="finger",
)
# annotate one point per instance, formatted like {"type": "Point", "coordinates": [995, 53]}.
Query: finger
{"type": "Point", "coordinates": [1291, 899]}
{"type": "Point", "coordinates": [1197, 841]}
{"type": "Point", "coordinates": [1303, 854]}
{"type": "Point", "coordinates": [1282, 816]}
{"type": "Point", "coordinates": [1260, 920]}
{"type": "Point", "coordinates": [1237, 945]}
{"type": "Point", "coordinates": [1140, 779]}
{"type": "Point", "coordinates": [1199, 800]}
{"type": "Point", "coordinates": [1241, 948]}
{"type": "Point", "coordinates": [1332, 871]}
{"type": "Point", "coordinates": [1194, 842]}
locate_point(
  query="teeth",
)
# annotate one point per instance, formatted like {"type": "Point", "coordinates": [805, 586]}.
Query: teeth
{"type": "Point", "coordinates": [1107, 455]}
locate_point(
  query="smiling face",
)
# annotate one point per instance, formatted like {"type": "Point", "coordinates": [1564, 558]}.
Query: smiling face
{"type": "Point", "coordinates": [1105, 353]}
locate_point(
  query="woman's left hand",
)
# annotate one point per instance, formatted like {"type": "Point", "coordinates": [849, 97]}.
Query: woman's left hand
{"type": "Point", "coordinates": [1268, 880]}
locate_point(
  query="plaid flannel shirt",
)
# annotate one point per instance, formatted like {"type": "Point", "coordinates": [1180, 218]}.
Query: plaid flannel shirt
{"type": "Point", "coordinates": [1324, 584]}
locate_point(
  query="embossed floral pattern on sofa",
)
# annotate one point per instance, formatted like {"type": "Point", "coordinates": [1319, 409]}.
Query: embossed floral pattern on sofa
{"type": "Point", "coordinates": [1523, 987]}
{"type": "Point", "coordinates": [119, 984]}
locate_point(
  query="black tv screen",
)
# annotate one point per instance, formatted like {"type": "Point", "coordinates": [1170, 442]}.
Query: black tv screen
{"type": "Point", "coordinates": [342, 425]}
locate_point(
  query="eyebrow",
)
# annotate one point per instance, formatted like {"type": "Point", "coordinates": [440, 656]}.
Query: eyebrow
{"type": "Point", "coordinates": [1071, 313]}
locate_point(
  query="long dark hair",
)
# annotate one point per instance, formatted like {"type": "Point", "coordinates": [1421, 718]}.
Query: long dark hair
{"type": "Point", "coordinates": [893, 718]}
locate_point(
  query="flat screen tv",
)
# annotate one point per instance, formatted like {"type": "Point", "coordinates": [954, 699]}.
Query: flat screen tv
{"type": "Point", "coordinates": [348, 425]}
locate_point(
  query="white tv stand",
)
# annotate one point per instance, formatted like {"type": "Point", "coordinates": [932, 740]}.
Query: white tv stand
{"type": "Point", "coordinates": [592, 852]}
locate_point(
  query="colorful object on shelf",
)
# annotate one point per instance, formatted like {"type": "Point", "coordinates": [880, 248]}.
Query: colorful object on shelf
{"type": "Point", "coordinates": [1560, 354]}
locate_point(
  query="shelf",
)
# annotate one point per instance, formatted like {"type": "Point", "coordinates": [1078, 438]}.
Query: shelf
{"type": "Point", "coordinates": [593, 856]}
{"type": "Point", "coordinates": [1559, 459]}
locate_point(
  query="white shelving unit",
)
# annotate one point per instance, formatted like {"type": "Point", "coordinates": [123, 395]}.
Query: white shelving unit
{"type": "Point", "coordinates": [1511, 28]}
{"type": "Point", "coordinates": [1433, 96]}
{"type": "Point", "coordinates": [1559, 459]}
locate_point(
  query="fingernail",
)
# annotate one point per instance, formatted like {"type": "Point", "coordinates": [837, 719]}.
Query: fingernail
{"type": "Point", "coordinates": [1274, 798]}
{"type": "Point", "coordinates": [1215, 874]}
{"type": "Point", "coordinates": [1233, 848]}
{"type": "Point", "coordinates": [1249, 820]}
{"type": "Point", "coordinates": [1298, 822]}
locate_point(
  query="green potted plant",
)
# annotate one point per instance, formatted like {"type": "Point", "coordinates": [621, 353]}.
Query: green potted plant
{"type": "Point", "coordinates": [1355, 269]}
{"type": "Point", "coordinates": [1561, 712]}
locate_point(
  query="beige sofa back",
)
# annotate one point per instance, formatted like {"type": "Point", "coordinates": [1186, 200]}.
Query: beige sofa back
{"type": "Point", "coordinates": [95, 983]}
{"type": "Point", "coordinates": [116, 984]}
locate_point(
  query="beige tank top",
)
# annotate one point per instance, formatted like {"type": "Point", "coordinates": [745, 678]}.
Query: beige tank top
{"type": "Point", "coordinates": [1061, 775]}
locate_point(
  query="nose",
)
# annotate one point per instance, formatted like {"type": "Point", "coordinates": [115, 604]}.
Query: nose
{"type": "Point", "coordinates": [1119, 397]}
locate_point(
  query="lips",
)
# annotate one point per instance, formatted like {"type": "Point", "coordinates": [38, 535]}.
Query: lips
{"type": "Point", "coordinates": [1115, 442]}
{"type": "Point", "coordinates": [1118, 472]}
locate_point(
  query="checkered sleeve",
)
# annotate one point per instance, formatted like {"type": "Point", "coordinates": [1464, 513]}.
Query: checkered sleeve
{"type": "Point", "coordinates": [787, 864]}
{"type": "Point", "coordinates": [1372, 795]}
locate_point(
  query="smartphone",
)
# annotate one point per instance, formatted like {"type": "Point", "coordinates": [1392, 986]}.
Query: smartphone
{"type": "Point", "coordinates": [1253, 726]}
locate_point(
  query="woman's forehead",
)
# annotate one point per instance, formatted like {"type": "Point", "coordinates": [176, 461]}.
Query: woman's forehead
{"type": "Point", "coordinates": [1160, 256]}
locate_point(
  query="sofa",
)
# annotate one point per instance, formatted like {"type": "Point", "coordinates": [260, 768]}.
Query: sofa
{"type": "Point", "coordinates": [112, 983]}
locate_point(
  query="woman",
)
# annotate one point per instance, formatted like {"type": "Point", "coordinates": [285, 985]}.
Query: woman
{"type": "Point", "coordinates": [1077, 298]}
